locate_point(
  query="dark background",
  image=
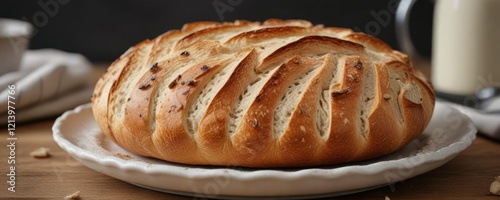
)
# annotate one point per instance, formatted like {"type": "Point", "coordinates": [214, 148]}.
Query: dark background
{"type": "Point", "coordinates": [103, 30]}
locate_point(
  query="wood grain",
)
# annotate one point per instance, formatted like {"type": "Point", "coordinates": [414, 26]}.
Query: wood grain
{"type": "Point", "coordinates": [468, 176]}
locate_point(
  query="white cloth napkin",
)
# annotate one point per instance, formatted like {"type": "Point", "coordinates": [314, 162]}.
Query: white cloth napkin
{"type": "Point", "coordinates": [47, 83]}
{"type": "Point", "coordinates": [487, 123]}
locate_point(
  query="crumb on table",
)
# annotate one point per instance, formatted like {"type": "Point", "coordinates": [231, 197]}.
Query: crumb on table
{"type": "Point", "coordinates": [495, 186]}
{"type": "Point", "coordinates": [75, 195]}
{"type": "Point", "coordinates": [41, 152]}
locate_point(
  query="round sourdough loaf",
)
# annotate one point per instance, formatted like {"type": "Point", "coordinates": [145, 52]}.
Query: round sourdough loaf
{"type": "Point", "coordinates": [272, 94]}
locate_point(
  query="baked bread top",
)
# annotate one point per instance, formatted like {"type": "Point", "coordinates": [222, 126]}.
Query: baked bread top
{"type": "Point", "coordinates": [272, 94]}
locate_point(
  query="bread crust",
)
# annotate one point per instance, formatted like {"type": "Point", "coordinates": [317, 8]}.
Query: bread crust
{"type": "Point", "coordinates": [282, 93]}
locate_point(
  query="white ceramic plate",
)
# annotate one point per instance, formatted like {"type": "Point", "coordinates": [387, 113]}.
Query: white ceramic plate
{"type": "Point", "coordinates": [449, 133]}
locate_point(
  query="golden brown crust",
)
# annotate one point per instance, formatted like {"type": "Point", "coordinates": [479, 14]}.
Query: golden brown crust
{"type": "Point", "coordinates": [282, 93]}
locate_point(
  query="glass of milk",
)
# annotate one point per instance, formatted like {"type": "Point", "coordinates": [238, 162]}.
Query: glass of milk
{"type": "Point", "coordinates": [465, 47]}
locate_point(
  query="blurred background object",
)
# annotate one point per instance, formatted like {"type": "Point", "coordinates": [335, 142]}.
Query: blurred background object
{"type": "Point", "coordinates": [103, 30]}
{"type": "Point", "coordinates": [14, 39]}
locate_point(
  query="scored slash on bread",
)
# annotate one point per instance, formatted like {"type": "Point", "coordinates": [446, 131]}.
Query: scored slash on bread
{"type": "Point", "coordinates": [282, 93]}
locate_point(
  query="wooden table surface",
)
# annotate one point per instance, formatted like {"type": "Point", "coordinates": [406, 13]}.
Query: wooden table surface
{"type": "Point", "coordinates": [468, 176]}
